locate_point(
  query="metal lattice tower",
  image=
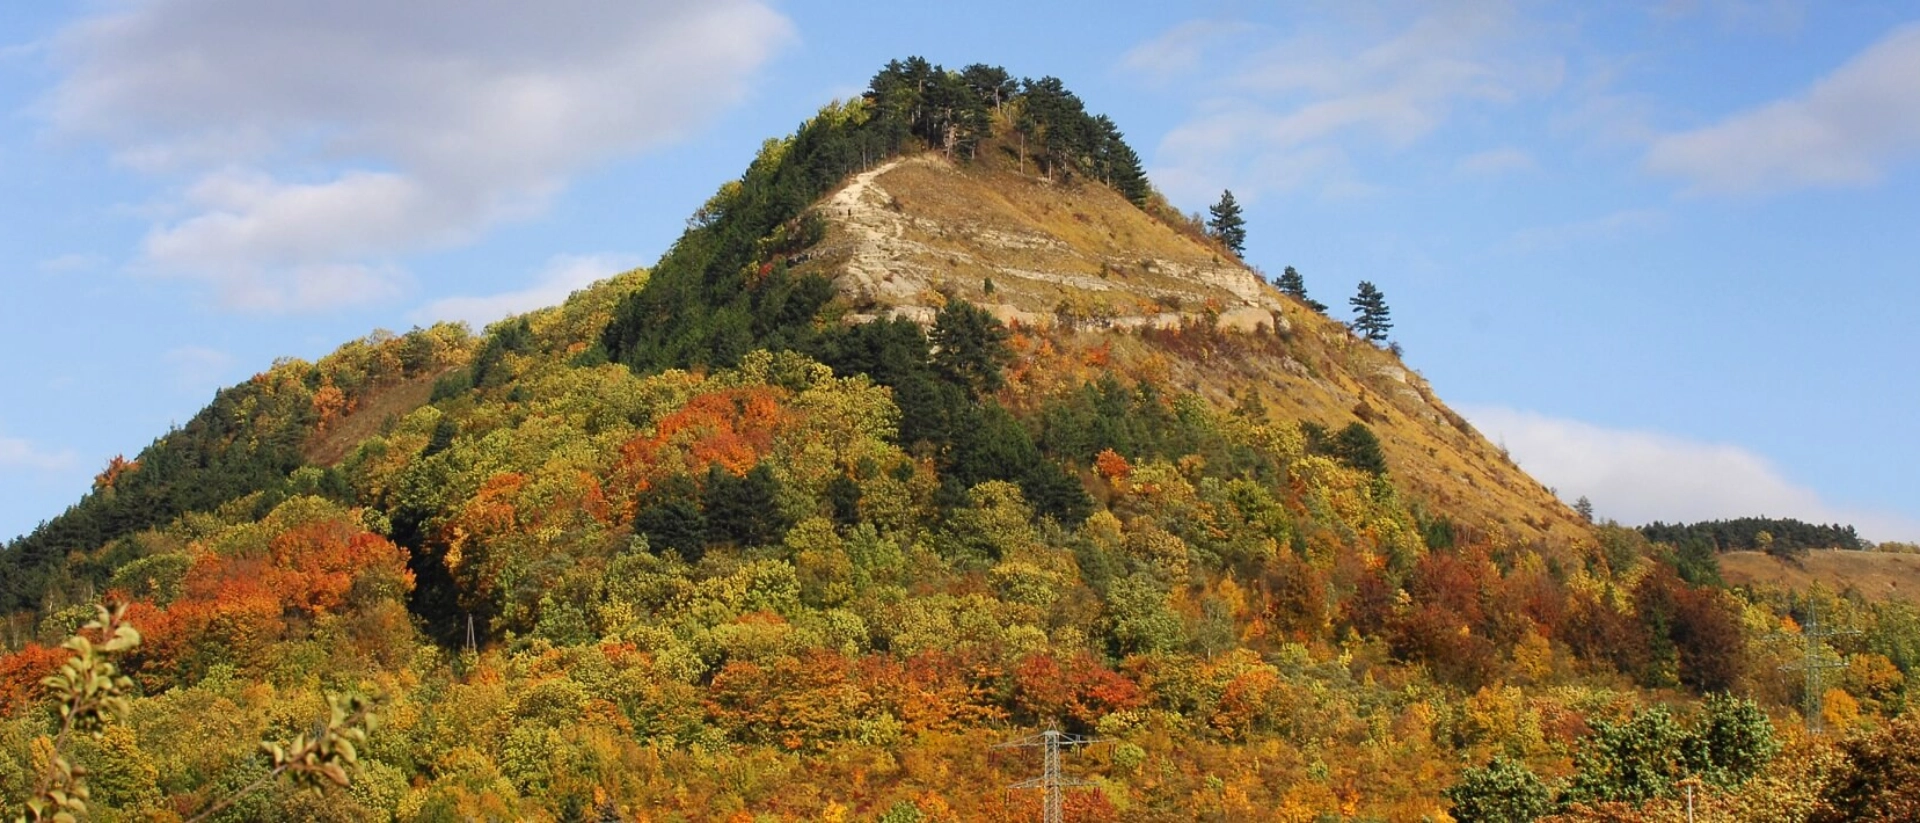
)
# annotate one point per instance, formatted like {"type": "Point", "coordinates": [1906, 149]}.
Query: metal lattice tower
{"type": "Point", "coordinates": [1814, 664]}
{"type": "Point", "coordinates": [1050, 782]}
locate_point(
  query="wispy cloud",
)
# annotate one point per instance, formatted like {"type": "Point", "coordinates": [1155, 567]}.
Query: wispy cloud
{"type": "Point", "coordinates": [1180, 50]}
{"type": "Point", "coordinates": [321, 142]}
{"type": "Point", "coordinates": [72, 263]}
{"type": "Point", "coordinates": [563, 275]}
{"type": "Point", "coordinates": [20, 454]}
{"type": "Point", "coordinates": [1286, 116]}
{"type": "Point", "coordinates": [1496, 162]}
{"type": "Point", "coordinates": [1562, 235]}
{"type": "Point", "coordinates": [1848, 129]}
{"type": "Point", "coordinates": [1765, 16]}
{"type": "Point", "coordinates": [197, 368]}
{"type": "Point", "coordinates": [1642, 476]}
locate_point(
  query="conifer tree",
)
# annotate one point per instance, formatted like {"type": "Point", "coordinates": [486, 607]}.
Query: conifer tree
{"type": "Point", "coordinates": [1370, 312]}
{"type": "Point", "coordinates": [1225, 223]}
{"type": "Point", "coordinates": [1293, 285]}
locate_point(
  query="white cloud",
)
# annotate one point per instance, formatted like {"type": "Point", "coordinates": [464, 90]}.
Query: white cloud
{"type": "Point", "coordinates": [16, 454]}
{"type": "Point", "coordinates": [1848, 129]}
{"type": "Point", "coordinates": [563, 275]}
{"type": "Point", "coordinates": [1775, 16]}
{"type": "Point", "coordinates": [1639, 476]}
{"type": "Point", "coordinates": [72, 263]}
{"type": "Point", "coordinates": [1287, 114]}
{"type": "Point", "coordinates": [1605, 227]}
{"type": "Point", "coordinates": [320, 141]}
{"type": "Point", "coordinates": [198, 368]}
{"type": "Point", "coordinates": [1180, 49]}
{"type": "Point", "coordinates": [1496, 162]}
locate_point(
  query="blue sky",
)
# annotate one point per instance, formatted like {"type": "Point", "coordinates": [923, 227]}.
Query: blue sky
{"type": "Point", "coordinates": [1664, 252]}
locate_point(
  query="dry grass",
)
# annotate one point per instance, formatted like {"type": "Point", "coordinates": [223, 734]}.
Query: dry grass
{"type": "Point", "coordinates": [929, 228]}
{"type": "Point", "coordinates": [906, 233]}
{"type": "Point", "coordinates": [1876, 575]}
{"type": "Point", "coordinates": [332, 444]}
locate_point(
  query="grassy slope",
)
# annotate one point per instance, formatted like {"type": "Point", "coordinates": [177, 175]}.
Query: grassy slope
{"type": "Point", "coordinates": [1877, 575]}
{"type": "Point", "coordinates": [957, 227]}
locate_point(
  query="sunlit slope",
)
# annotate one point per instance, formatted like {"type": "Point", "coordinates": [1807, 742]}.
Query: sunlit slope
{"type": "Point", "coordinates": [1080, 265]}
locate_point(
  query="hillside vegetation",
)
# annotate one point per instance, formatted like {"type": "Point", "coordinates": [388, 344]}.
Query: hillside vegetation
{"type": "Point", "coordinates": [760, 534]}
{"type": "Point", "coordinates": [1871, 575]}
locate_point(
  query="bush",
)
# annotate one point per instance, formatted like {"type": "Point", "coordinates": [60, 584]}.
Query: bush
{"type": "Point", "coordinates": [1504, 791]}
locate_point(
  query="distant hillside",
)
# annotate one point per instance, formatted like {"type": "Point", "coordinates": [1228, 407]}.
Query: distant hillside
{"type": "Point", "coordinates": [1874, 575]}
{"type": "Point", "coordinates": [1767, 534]}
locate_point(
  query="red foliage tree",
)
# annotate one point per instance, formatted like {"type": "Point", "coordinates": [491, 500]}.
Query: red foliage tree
{"type": "Point", "coordinates": [1079, 690]}
{"type": "Point", "coordinates": [20, 674]}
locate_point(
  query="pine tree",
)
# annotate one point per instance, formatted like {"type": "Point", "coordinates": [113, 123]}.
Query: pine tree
{"type": "Point", "coordinates": [1293, 285]}
{"type": "Point", "coordinates": [1370, 312]}
{"type": "Point", "coordinates": [1226, 224]}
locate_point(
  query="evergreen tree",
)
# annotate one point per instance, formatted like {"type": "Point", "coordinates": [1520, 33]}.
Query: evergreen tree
{"type": "Point", "coordinates": [1357, 446]}
{"type": "Point", "coordinates": [1118, 164]}
{"type": "Point", "coordinates": [1293, 285]}
{"type": "Point", "coordinates": [970, 347]}
{"type": "Point", "coordinates": [1370, 312]}
{"type": "Point", "coordinates": [1225, 223]}
{"type": "Point", "coordinates": [1584, 508]}
{"type": "Point", "coordinates": [1504, 791]}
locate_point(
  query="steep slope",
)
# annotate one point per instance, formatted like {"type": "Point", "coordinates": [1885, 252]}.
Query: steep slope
{"type": "Point", "coordinates": [1079, 263]}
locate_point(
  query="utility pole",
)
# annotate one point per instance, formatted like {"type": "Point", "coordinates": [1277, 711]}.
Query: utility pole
{"type": "Point", "coordinates": [1050, 781]}
{"type": "Point", "coordinates": [1814, 664]}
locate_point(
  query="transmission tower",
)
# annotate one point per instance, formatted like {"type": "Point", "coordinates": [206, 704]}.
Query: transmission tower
{"type": "Point", "coordinates": [1050, 781]}
{"type": "Point", "coordinates": [1814, 664]}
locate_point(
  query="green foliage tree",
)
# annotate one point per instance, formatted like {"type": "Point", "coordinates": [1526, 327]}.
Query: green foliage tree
{"type": "Point", "coordinates": [1370, 312]}
{"type": "Point", "coordinates": [1357, 446]}
{"type": "Point", "coordinates": [970, 347]}
{"type": "Point", "coordinates": [1730, 741]}
{"type": "Point", "coordinates": [1788, 537]}
{"type": "Point", "coordinates": [1293, 285]}
{"type": "Point", "coordinates": [1226, 224]}
{"type": "Point", "coordinates": [1139, 618]}
{"type": "Point", "coordinates": [1504, 791]}
{"type": "Point", "coordinates": [1117, 164]}
{"type": "Point", "coordinates": [743, 510]}
{"type": "Point", "coordinates": [1632, 761]}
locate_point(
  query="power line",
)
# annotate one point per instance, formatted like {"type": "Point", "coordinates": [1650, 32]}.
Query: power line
{"type": "Point", "coordinates": [1814, 664]}
{"type": "Point", "coordinates": [1050, 782]}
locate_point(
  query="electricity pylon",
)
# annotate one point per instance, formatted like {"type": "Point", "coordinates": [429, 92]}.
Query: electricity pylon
{"type": "Point", "coordinates": [1815, 664]}
{"type": "Point", "coordinates": [1050, 782]}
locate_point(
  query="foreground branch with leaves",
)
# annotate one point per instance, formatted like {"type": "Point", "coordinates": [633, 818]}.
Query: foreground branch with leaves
{"type": "Point", "coordinates": [325, 758]}
{"type": "Point", "coordinates": [91, 693]}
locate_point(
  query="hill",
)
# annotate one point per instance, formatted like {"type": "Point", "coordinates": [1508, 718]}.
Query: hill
{"type": "Point", "coordinates": [1085, 268]}
{"type": "Point", "coordinates": [935, 428]}
{"type": "Point", "coordinates": [1875, 575]}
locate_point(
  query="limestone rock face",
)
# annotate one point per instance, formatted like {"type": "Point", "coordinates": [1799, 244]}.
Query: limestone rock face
{"type": "Point", "coordinates": [1080, 261]}
{"type": "Point", "coordinates": [905, 236]}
